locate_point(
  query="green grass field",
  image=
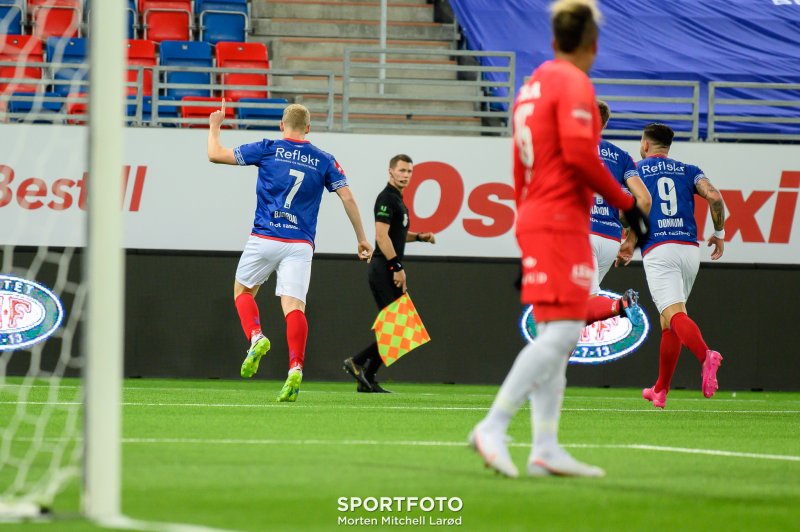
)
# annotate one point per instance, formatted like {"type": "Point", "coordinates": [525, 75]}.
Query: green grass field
{"type": "Point", "coordinates": [225, 455]}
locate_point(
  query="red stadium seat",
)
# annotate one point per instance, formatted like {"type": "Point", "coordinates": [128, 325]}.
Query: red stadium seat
{"type": "Point", "coordinates": [197, 111]}
{"type": "Point", "coordinates": [166, 20]}
{"type": "Point", "coordinates": [243, 55]}
{"type": "Point", "coordinates": [141, 53]}
{"type": "Point", "coordinates": [20, 49]}
{"type": "Point", "coordinates": [77, 108]}
{"type": "Point", "coordinates": [55, 18]}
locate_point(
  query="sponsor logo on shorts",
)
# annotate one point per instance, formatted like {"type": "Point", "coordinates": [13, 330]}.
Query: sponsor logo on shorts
{"type": "Point", "coordinates": [29, 313]}
{"type": "Point", "coordinates": [600, 342]}
{"type": "Point", "coordinates": [582, 274]}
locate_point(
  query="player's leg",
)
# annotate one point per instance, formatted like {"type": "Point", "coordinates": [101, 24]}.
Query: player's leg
{"type": "Point", "coordinates": [604, 252]}
{"type": "Point", "coordinates": [537, 363]}
{"type": "Point", "coordinates": [254, 268]}
{"type": "Point", "coordinates": [547, 457]}
{"type": "Point", "coordinates": [668, 354]}
{"type": "Point", "coordinates": [294, 278]}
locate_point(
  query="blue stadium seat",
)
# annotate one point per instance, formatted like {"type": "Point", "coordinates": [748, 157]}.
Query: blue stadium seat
{"type": "Point", "coordinates": [222, 20]}
{"type": "Point", "coordinates": [188, 54]}
{"type": "Point", "coordinates": [26, 106]}
{"type": "Point", "coordinates": [165, 109]}
{"type": "Point", "coordinates": [261, 113]}
{"type": "Point", "coordinates": [11, 14]}
{"type": "Point", "coordinates": [68, 50]}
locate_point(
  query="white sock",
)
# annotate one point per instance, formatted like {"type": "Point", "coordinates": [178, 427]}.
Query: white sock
{"type": "Point", "coordinates": [546, 403]}
{"type": "Point", "coordinates": [538, 362]}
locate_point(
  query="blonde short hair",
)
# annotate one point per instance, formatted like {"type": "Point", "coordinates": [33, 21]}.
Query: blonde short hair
{"type": "Point", "coordinates": [296, 117]}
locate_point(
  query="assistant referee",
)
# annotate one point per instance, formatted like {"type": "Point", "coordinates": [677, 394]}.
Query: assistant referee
{"type": "Point", "coordinates": [387, 278]}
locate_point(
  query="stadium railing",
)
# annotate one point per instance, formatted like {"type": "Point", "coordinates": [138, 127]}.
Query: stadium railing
{"type": "Point", "coordinates": [753, 111]}
{"type": "Point", "coordinates": [143, 113]}
{"type": "Point", "coordinates": [451, 91]}
{"type": "Point", "coordinates": [636, 102]}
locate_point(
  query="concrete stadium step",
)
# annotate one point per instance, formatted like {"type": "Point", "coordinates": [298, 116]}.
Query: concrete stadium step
{"type": "Point", "coordinates": [317, 102]}
{"type": "Point", "coordinates": [349, 29]}
{"type": "Point", "coordinates": [446, 89]}
{"type": "Point", "coordinates": [313, 47]}
{"type": "Point", "coordinates": [336, 65]}
{"type": "Point", "coordinates": [400, 12]}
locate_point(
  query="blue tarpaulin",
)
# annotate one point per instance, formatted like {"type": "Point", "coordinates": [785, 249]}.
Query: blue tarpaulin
{"type": "Point", "coordinates": [731, 40]}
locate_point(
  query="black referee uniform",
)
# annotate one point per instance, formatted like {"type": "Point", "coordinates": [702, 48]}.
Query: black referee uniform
{"type": "Point", "coordinates": [389, 209]}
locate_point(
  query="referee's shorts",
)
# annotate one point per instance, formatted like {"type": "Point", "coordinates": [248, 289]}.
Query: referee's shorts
{"type": "Point", "coordinates": [381, 282]}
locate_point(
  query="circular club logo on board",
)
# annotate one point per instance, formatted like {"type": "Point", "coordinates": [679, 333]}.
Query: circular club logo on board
{"type": "Point", "coordinates": [29, 313]}
{"type": "Point", "coordinates": [602, 341]}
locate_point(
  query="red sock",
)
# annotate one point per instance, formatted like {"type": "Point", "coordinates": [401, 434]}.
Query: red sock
{"type": "Point", "coordinates": [296, 336]}
{"type": "Point", "coordinates": [248, 314]}
{"type": "Point", "coordinates": [689, 333]}
{"type": "Point", "coordinates": [600, 308]}
{"type": "Point", "coordinates": [667, 359]}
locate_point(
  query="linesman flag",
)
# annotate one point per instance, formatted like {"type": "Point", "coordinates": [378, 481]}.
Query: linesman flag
{"type": "Point", "coordinates": [399, 329]}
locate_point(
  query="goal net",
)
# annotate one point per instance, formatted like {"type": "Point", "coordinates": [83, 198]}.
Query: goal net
{"type": "Point", "coordinates": [60, 257]}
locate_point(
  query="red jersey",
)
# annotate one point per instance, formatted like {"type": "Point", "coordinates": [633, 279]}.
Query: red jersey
{"type": "Point", "coordinates": [556, 166]}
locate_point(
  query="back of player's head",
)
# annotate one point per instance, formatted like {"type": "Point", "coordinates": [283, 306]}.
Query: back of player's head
{"type": "Point", "coordinates": [659, 134]}
{"type": "Point", "coordinates": [399, 157]}
{"type": "Point", "coordinates": [575, 24]}
{"type": "Point", "coordinates": [605, 112]}
{"type": "Point", "coordinates": [296, 117]}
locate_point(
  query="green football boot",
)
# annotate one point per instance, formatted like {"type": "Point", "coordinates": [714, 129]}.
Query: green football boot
{"type": "Point", "coordinates": [258, 348]}
{"type": "Point", "coordinates": [291, 387]}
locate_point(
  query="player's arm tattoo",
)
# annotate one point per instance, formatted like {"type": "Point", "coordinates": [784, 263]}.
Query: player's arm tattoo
{"type": "Point", "coordinates": [714, 199]}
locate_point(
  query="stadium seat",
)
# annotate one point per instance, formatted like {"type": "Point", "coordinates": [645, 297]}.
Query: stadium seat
{"type": "Point", "coordinates": [187, 54]}
{"type": "Point", "coordinates": [197, 111]}
{"type": "Point", "coordinates": [11, 15]}
{"type": "Point", "coordinates": [141, 53]}
{"type": "Point", "coordinates": [166, 109]}
{"type": "Point", "coordinates": [55, 18]}
{"type": "Point", "coordinates": [251, 113]}
{"type": "Point", "coordinates": [243, 55]}
{"type": "Point", "coordinates": [133, 17]}
{"type": "Point", "coordinates": [28, 104]}
{"type": "Point", "coordinates": [77, 108]}
{"type": "Point", "coordinates": [20, 49]}
{"type": "Point", "coordinates": [222, 21]}
{"type": "Point", "coordinates": [166, 20]}
{"type": "Point", "coordinates": [67, 51]}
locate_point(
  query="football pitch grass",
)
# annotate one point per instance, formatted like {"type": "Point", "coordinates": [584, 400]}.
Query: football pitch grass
{"type": "Point", "coordinates": [224, 454]}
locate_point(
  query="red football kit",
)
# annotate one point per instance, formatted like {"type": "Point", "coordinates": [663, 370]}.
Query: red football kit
{"type": "Point", "coordinates": [556, 170]}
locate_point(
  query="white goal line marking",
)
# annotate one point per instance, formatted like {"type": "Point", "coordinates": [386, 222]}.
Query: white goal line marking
{"type": "Point", "coordinates": [413, 443]}
{"type": "Point", "coordinates": [429, 443]}
{"type": "Point", "coordinates": [400, 407]}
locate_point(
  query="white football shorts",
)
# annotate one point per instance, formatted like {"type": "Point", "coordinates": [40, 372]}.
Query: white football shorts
{"type": "Point", "coordinates": [671, 270]}
{"type": "Point", "coordinates": [292, 260]}
{"type": "Point", "coordinates": [604, 252]}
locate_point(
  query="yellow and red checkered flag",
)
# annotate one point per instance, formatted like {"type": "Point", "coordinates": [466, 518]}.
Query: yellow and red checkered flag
{"type": "Point", "coordinates": [399, 329]}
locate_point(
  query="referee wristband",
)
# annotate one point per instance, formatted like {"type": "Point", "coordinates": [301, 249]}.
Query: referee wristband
{"type": "Point", "coordinates": [394, 265]}
{"type": "Point", "coordinates": [417, 237]}
{"type": "Point", "coordinates": [720, 234]}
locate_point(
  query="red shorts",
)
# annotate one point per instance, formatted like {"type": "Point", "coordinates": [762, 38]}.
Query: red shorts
{"type": "Point", "coordinates": [557, 270]}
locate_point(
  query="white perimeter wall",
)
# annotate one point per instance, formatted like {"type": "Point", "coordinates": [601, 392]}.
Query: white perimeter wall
{"type": "Point", "coordinates": [175, 199]}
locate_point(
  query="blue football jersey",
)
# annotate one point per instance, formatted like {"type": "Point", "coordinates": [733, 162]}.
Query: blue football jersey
{"type": "Point", "coordinates": [604, 217]}
{"type": "Point", "coordinates": [291, 177]}
{"type": "Point", "coordinates": [672, 185]}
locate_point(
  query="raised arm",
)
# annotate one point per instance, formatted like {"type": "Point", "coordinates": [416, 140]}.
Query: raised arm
{"type": "Point", "coordinates": [351, 208]}
{"type": "Point", "coordinates": [709, 192]}
{"type": "Point", "coordinates": [217, 153]}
